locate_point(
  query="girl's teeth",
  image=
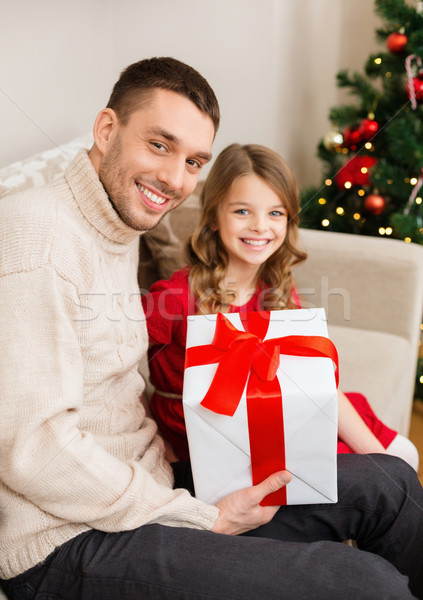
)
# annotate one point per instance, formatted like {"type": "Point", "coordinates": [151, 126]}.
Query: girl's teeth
{"type": "Point", "coordinates": [153, 197]}
{"type": "Point", "coordinates": [255, 242]}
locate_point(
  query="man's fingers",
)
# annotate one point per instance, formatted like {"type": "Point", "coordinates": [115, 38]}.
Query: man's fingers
{"type": "Point", "coordinates": [272, 483]}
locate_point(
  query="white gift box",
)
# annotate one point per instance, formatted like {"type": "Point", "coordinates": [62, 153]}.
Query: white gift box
{"type": "Point", "coordinates": [220, 444]}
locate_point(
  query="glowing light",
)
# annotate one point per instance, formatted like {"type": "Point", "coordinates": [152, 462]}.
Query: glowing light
{"type": "Point", "coordinates": [325, 222]}
{"type": "Point", "coordinates": [328, 181]}
{"type": "Point", "coordinates": [378, 60]}
{"type": "Point", "coordinates": [340, 210]}
{"type": "Point", "coordinates": [347, 185]}
{"type": "Point", "coordinates": [382, 230]}
{"type": "Point", "coordinates": [390, 181]}
{"type": "Point", "coordinates": [418, 200]}
{"type": "Point", "coordinates": [357, 216]}
{"type": "Point", "coordinates": [371, 116]}
{"type": "Point", "coordinates": [413, 180]}
{"type": "Point", "coordinates": [345, 150]}
{"type": "Point", "coordinates": [421, 379]}
{"type": "Point", "coordinates": [364, 170]}
{"type": "Point", "coordinates": [368, 145]}
{"type": "Point", "coordinates": [388, 230]}
{"type": "Point", "coordinates": [322, 200]}
{"type": "Point", "coordinates": [361, 192]}
{"type": "Point", "coordinates": [388, 74]}
{"type": "Point", "coordinates": [407, 239]}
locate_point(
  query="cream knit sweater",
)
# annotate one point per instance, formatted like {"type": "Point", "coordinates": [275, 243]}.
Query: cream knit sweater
{"type": "Point", "coordinates": [76, 451]}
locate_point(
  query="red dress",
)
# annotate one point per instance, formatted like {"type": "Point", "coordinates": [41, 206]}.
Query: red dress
{"type": "Point", "coordinates": [167, 306]}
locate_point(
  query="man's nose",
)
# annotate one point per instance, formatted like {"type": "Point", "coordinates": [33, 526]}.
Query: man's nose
{"type": "Point", "coordinates": [172, 173]}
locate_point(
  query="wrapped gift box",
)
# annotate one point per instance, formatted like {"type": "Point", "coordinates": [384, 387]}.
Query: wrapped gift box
{"type": "Point", "coordinates": [259, 396]}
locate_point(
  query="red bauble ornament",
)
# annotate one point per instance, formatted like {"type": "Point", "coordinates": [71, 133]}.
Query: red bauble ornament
{"type": "Point", "coordinates": [375, 204]}
{"type": "Point", "coordinates": [368, 128]}
{"type": "Point", "coordinates": [418, 87]}
{"type": "Point", "coordinates": [396, 42]}
{"type": "Point", "coordinates": [352, 137]}
{"type": "Point", "coordinates": [356, 171]}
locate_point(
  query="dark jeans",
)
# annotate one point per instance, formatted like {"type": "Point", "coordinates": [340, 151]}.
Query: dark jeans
{"type": "Point", "coordinates": [295, 557]}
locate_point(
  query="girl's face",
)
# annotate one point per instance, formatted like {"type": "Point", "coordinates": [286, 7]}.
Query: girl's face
{"type": "Point", "coordinates": [252, 222]}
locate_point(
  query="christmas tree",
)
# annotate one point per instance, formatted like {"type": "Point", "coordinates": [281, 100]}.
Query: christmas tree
{"type": "Point", "coordinates": [373, 155]}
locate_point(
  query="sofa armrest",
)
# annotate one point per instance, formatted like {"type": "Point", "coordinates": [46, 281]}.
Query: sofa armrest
{"type": "Point", "coordinates": [363, 282]}
{"type": "Point", "coordinates": [372, 291]}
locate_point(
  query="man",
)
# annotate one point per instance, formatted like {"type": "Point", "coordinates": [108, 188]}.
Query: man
{"type": "Point", "coordinates": [88, 505]}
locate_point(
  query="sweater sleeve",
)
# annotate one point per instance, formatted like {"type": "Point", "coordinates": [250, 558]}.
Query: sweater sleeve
{"type": "Point", "coordinates": [46, 457]}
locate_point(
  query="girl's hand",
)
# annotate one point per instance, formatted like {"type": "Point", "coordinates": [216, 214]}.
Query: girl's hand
{"type": "Point", "coordinates": [170, 453]}
{"type": "Point", "coordinates": [241, 510]}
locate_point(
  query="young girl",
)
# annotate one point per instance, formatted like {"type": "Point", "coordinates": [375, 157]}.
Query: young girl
{"type": "Point", "coordinates": [239, 259]}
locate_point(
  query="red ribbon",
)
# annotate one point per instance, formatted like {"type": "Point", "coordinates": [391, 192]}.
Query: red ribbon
{"type": "Point", "coordinates": [243, 353]}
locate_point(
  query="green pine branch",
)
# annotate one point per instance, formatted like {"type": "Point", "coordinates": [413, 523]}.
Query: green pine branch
{"type": "Point", "coordinates": [344, 115]}
{"type": "Point", "coordinates": [358, 84]}
{"type": "Point", "coordinates": [398, 14]}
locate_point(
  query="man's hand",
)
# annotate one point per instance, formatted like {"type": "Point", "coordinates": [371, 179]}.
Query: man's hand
{"type": "Point", "coordinates": [241, 511]}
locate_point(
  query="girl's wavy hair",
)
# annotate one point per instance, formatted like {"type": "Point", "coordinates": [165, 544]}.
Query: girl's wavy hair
{"type": "Point", "coordinates": [205, 252]}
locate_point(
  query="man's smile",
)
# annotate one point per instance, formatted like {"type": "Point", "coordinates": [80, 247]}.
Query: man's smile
{"type": "Point", "coordinates": [155, 198]}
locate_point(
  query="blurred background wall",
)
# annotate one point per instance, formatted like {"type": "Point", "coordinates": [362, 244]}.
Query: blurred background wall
{"type": "Point", "coordinates": [272, 64]}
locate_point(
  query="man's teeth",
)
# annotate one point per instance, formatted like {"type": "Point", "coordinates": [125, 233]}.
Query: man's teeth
{"type": "Point", "coordinates": [153, 197]}
{"type": "Point", "coordinates": [255, 242]}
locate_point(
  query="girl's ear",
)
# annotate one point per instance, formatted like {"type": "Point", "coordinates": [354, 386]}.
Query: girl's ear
{"type": "Point", "coordinates": [105, 127]}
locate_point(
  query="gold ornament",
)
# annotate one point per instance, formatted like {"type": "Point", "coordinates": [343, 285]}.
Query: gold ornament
{"type": "Point", "coordinates": [333, 140]}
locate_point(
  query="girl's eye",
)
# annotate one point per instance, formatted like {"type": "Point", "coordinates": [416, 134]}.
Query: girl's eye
{"type": "Point", "coordinates": [277, 213]}
{"type": "Point", "coordinates": [241, 211]}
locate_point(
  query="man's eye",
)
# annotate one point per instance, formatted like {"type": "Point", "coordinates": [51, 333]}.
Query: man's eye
{"type": "Point", "coordinates": [194, 163]}
{"type": "Point", "coordinates": [158, 145]}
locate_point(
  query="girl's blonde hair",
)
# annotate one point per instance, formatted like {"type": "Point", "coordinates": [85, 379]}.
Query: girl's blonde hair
{"type": "Point", "coordinates": [205, 252]}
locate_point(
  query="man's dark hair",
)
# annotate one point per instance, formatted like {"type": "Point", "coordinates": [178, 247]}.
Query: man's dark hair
{"type": "Point", "coordinates": [137, 82]}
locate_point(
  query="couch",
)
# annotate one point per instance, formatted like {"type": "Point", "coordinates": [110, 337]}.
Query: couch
{"type": "Point", "coordinates": [371, 288]}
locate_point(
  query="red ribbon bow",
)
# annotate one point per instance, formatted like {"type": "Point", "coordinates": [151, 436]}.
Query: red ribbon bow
{"type": "Point", "coordinates": [243, 353]}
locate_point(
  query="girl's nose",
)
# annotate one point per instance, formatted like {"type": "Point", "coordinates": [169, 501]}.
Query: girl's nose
{"type": "Point", "coordinates": [258, 224]}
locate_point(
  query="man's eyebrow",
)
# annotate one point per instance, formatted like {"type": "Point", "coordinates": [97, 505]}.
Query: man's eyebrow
{"type": "Point", "coordinates": [168, 135]}
{"type": "Point", "coordinates": [171, 137]}
{"type": "Point", "coordinates": [205, 155]}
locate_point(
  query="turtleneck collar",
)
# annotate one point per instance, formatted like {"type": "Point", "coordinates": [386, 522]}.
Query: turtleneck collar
{"type": "Point", "coordinates": [94, 202]}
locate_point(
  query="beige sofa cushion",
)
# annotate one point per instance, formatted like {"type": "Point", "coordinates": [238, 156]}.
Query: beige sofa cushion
{"type": "Point", "coordinates": [373, 363]}
{"type": "Point", "coordinates": [41, 168]}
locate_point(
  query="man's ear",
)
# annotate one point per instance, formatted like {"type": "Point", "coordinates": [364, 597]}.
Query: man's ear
{"type": "Point", "coordinates": [105, 128]}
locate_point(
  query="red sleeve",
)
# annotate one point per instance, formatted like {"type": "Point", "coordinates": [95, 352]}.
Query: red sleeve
{"type": "Point", "coordinates": [165, 306]}
{"type": "Point", "coordinates": [295, 298]}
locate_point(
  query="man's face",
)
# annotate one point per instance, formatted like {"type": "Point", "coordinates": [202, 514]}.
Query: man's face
{"type": "Point", "coordinates": [152, 163]}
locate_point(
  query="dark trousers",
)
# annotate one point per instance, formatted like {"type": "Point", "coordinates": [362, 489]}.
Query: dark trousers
{"type": "Point", "coordinates": [297, 556]}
